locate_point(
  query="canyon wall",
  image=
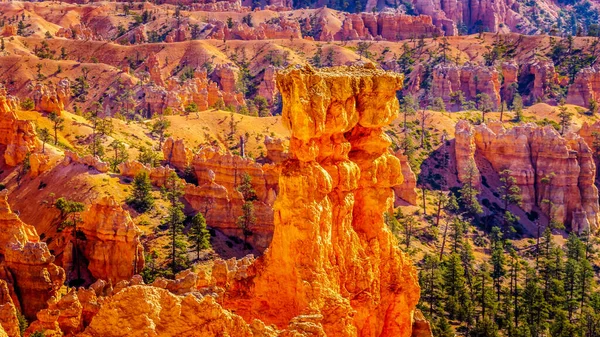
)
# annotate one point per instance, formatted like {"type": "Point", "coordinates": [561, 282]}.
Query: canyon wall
{"type": "Point", "coordinates": [16, 136]}
{"type": "Point", "coordinates": [27, 265]}
{"type": "Point", "coordinates": [546, 166]}
{"type": "Point", "coordinates": [112, 244]}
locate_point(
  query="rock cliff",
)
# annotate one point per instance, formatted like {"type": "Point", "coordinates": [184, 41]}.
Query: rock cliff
{"type": "Point", "coordinates": [470, 79]}
{"type": "Point", "coordinates": [27, 263]}
{"type": "Point", "coordinates": [334, 192]}
{"type": "Point", "coordinates": [18, 136]}
{"type": "Point", "coordinates": [585, 88]}
{"type": "Point", "coordinates": [219, 174]}
{"type": "Point", "coordinates": [546, 166]}
{"type": "Point", "coordinates": [112, 244]}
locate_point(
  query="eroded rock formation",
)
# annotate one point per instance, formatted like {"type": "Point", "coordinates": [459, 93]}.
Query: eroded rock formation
{"type": "Point", "coordinates": [334, 191]}
{"type": "Point", "coordinates": [545, 165]}
{"type": "Point", "coordinates": [471, 80]}
{"type": "Point", "coordinates": [585, 88]}
{"type": "Point", "coordinates": [18, 136]}
{"type": "Point", "coordinates": [27, 263]}
{"type": "Point", "coordinates": [219, 174]}
{"type": "Point", "coordinates": [112, 244]}
{"type": "Point", "coordinates": [52, 98]}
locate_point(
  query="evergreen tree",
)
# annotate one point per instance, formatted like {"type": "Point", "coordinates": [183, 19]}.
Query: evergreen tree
{"type": "Point", "coordinates": [141, 197]}
{"type": "Point", "coordinates": [58, 124]}
{"type": "Point", "coordinates": [44, 136]}
{"type": "Point", "coordinates": [199, 234]}
{"type": "Point", "coordinates": [173, 191]}
{"type": "Point", "coordinates": [468, 192]}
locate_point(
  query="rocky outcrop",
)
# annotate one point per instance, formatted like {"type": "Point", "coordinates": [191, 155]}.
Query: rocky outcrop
{"type": "Point", "coordinates": [585, 88]}
{"type": "Point", "coordinates": [276, 152]}
{"type": "Point", "coordinates": [387, 26]}
{"type": "Point", "coordinates": [89, 160]}
{"type": "Point", "coordinates": [219, 174]}
{"type": "Point", "coordinates": [17, 135]}
{"type": "Point", "coordinates": [471, 80]}
{"type": "Point", "coordinates": [27, 265]}
{"type": "Point", "coordinates": [152, 66]}
{"type": "Point", "coordinates": [78, 31]}
{"type": "Point", "coordinates": [406, 191]}
{"type": "Point", "coordinates": [537, 77]}
{"type": "Point", "coordinates": [464, 151]}
{"type": "Point", "coordinates": [485, 15]}
{"type": "Point", "coordinates": [176, 154]}
{"type": "Point", "coordinates": [267, 87]}
{"type": "Point", "coordinates": [52, 98]}
{"type": "Point", "coordinates": [151, 311]}
{"type": "Point", "coordinates": [158, 175]}
{"type": "Point", "coordinates": [333, 193]}
{"type": "Point", "coordinates": [546, 166]}
{"type": "Point", "coordinates": [112, 244]}
{"type": "Point", "coordinates": [8, 312]}
{"type": "Point", "coordinates": [199, 90]}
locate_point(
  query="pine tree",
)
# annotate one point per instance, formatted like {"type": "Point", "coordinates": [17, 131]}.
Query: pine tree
{"type": "Point", "coordinates": [44, 136]}
{"type": "Point", "coordinates": [468, 192]}
{"type": "Point", "coordinates": [517, 107]}
{"type": "Point", "coordinates": [178, 249]}
{"type": "Point", "coordinates": [58, 124]}
{"type": "Point", "coordinates": [510, 193]}
{"type": "Point", "coordinates": [431, 282]}
{"type": "Point", "coordinates": [141, 197]}
{"type": "Point", "coordinates": [199, 234]}
{"type": "Point", "coordinates": [119, 154]}
{"type": "Point", "coordinates": [565, 118]}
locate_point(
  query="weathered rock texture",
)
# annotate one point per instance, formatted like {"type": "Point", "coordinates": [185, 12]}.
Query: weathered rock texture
{"type": "Point", "coordinates": [406, 191]}
{"type": "Point", "coordinates": [534, 154]}
{"type": "Point", "coordinates": [16, 136]}
{"type": "Point", "coordinates": [470, 79]}
{"type": "Point", "coordinates": [585, 88]}
{"type": "Point", "coordinates": [27, 265]}
{"type": "Point", "coordinates": [89, 160]}
{"type": "Point", "coordinates": [219, 174]}
{"type": "Point", "coordinates": [158, 175]}
{"type": "Point", "coordinates": [8, 312]}
{"type": "Point", "coordinates": [387, 26]}
{"type": "Point", "coordinates": [334, 192]}
{"type": "Point", "coordinates": [112, 244]}
{"type": "Point", "coordinates": [52, 98]}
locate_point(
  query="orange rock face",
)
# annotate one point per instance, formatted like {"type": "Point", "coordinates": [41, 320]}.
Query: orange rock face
{"type": "Point", "coordinates": [89, 160]}
{"type": "Point", "coordinates": [406, 191]}
{"type": "Point", "coordinates": [17, 135]}
{"type": "Point", "coordinates": [534, 153]}
{"type": "Point", "coordinates": [176, 154]}
{"type": "Point", "coordinates": [471, 80]}
{"type": "Point", "coordinates": [219, 174]}
{"type": "Point", "coordinates": [334, 192]}
{"type": "Point", "coordinates": [51, 98]}
{"type": "Point", "coordinates": [8, 313]}
{"type": "Point", "coordinates": [158, 175]}
{"type": "Point", "coordinates": [112, 246]}
{"type": "Point", "coordinates": [586, 87]}
{"type": "Point", "coordinates": [28, 264]}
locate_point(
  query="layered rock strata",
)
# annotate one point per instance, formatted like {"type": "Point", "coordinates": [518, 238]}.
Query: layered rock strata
{"type": "Point", "coordinates": [27, 264]}
{"type": "Point", "coordinates": [546, 166]}
{"type": "Point", "coordinates": [16, 135]}
{"type": "Point", "coordinates": [112, 244]}
{"type": "Point", "coordinates": [334, 191]}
